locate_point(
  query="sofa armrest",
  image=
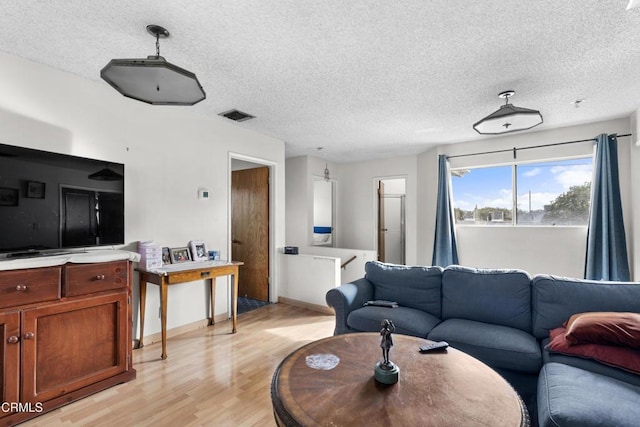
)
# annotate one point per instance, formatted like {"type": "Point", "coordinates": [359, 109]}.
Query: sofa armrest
{"type": "Point", "coordinates": [346, 298]}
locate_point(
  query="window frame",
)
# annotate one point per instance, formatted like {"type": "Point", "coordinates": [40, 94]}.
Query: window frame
{"type": "Point", "coordinates": [514, 188]}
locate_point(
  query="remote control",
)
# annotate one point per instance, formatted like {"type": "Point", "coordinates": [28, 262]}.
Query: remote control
{"type": "Point", "coordinates": [440, 345]}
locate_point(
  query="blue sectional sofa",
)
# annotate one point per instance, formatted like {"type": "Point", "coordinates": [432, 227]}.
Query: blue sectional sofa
{"type": "Point", "coordinates": [504, 318]}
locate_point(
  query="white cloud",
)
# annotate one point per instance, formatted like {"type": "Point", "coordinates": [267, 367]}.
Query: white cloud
{"type": "Point", "coordinates": [532, 172]}
{"type": "Point", "coordinates": [538, 200]}
{"type": "Point", "coordinates": [568, 176]}
{"type": "Point", "coordinates": [500, 200]}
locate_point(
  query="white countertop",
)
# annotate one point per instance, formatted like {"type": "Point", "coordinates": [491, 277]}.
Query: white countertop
{"type": "Point", "coordinates": [84, 257]}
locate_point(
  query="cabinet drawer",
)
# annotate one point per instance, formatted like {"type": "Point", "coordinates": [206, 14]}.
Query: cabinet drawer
{"type": "Point", "coordinates": [82, 279]}
{"type": "Point", "coordinates": [20, 287]}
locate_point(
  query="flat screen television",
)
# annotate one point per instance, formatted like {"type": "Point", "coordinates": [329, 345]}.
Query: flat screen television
{"type": "Point", "coordinates": [52, 203]}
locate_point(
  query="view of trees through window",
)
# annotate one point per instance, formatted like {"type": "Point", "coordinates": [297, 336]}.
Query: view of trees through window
{"type": "Point", "coordinates": [548, 193]}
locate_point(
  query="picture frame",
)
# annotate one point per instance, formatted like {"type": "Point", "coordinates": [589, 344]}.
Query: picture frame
{"type": "Point", "coordinates": [166, 256]}
{"type": "Point", "coordinates": [199, 250]}
{"type": "Point", "coordinates": [35, 190]}
{"type": "Point", "coordinates": [178, 255]}
{"type": "Point", "coordinates": [9, 196]}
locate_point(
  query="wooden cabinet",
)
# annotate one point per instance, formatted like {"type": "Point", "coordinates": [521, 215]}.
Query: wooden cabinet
{"type": "Point", "coordinates": [10, 349]}
{"type": "Point", "coordinates": [61, 343]}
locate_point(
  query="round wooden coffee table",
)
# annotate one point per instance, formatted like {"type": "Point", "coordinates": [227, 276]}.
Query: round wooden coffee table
{"type": "Point", "coordinates": [330, 382]}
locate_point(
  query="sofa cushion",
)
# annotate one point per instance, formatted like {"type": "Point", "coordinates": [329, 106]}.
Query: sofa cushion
{"type": "Point", "coordinates": [501, 297]}
{"type": "Point", "coordinates": [410, 286]}
{"type": "Point", "coordinates": [622, 329]}
{"type": "Point", "coordinates": [408, 321]}
{"type": "Point", "coordinates": [497, 346]}
{"type": "Point", "coordinates": [620, 357]}
{"type": "Point", "coordinates": [555, 299]}
{"type": "Point", "coordinates": [588, 365]}
{"type": "Point", "coordinates": [569, 396]}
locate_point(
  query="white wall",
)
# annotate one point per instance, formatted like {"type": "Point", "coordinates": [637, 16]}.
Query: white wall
{"type": "Point", "coordinates": [352, 271]}
{"type": "Point", "coordinates": [308, 278]}
{"type": "Point", "coordinates": [168, 152]}
{"type": "Point", "coordinates": [357, 202]}
{"type": "Point", "coordinates": [299, 202]}
{"type": "Point", "coordinates": [550, 250]}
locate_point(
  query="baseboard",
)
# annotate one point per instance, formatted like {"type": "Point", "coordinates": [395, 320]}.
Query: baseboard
{"type": "Point", "coordinates": [315, 307]}
{"type": "Point", "coordinates": [179, 330]}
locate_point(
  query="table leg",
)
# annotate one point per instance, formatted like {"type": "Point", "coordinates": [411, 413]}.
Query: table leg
{"type": "Point", "coordinates": [143, 301]}
{"type": "Point", "coordinates": [234, 301]}
{"type": "Point", "coordinates": [212, 281]}
{"type": "Point", "coordinates": [163, 317]}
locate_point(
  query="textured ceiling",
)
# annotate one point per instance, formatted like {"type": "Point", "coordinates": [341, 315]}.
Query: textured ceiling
{"type": "Point", "coordinates": [364, 79]}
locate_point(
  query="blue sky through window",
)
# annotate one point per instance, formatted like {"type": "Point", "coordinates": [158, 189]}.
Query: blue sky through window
{"type": "Point", "coordinates": [538, 184]}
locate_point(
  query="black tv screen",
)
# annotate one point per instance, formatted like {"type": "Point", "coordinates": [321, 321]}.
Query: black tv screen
{"type": "Point", "coordinates": [50, 202]}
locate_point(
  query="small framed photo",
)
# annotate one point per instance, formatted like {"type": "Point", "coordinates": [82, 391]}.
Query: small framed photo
{"type": "Point", "coordinates": [8, 196]}
{"type": "Point", "coordinates": [178, 255]}
{"type": "Point", "coordinates": [166, 256]}
{"type": "Point", "coordinates": [35, 190]}
{"type": "Point", "coordinates": [199, 250]}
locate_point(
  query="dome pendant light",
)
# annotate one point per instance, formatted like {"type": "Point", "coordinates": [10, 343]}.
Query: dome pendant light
{"type": "Point", "coordinates": [508, 118]}
{"type": "Point", "coordinates": [153, 80]}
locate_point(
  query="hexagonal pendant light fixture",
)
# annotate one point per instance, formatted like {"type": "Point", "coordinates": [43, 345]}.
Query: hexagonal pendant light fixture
{"type": "Point", "coordinates": [153, 80]}
{"type": "Point", "coordinates": [508, 118]}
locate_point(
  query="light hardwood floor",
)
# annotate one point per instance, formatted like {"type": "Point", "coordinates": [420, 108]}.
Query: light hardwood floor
{"type": "Point", "coordinates": [210, 378]}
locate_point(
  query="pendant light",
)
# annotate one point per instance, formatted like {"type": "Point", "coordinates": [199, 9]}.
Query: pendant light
{"type": "Point", "coordinates": [508, 118]}
{"type": "Point", "coordinates": [106, 174]}
{"type": "Point", "coordinates": [153, 80]}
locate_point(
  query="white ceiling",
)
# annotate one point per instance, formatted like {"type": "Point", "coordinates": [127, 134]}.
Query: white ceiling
{"type": "Point", "coordinates": [362, 78]}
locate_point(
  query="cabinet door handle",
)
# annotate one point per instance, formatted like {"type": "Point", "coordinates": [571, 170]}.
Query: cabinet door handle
{"type": "Point", "coordinates": [21, 288]}
{"type": "Point", "coordinates": [29, 336]}
{"type": "Point", "coordinates": [13, 339]}
{"type": "Point", "coordinates": [100, 277]}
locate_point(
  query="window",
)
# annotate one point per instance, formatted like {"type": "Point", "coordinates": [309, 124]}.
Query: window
{"type": "Point", "coordinates": [548, 193]}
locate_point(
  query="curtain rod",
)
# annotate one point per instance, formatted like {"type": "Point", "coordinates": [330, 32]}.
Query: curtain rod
{"type": "Point", "coordinates": [514, 149]}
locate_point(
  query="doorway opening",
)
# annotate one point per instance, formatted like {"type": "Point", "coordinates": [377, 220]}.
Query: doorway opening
{"type": "Point", "coordinates": [391, 195]}
{"type": "Point", "coordinates": [90, 217]}
{"type": "Point", "coordinates": [250, 228]}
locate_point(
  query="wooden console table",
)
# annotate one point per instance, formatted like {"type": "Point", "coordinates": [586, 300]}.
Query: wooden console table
{"type": "Point", "coordinates": [181, 273]}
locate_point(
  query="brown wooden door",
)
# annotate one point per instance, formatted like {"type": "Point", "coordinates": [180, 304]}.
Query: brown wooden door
{"type": "Point", "coordinates": [381, 225]}
{"type": "Point", "coordinates": [9, 357]}
{"type": "Point", "coordinates": [67, 346]}
{"type": "Point", "coordinates": [78, 217]}
{"type": "Point", "coordinates": [250, 230]}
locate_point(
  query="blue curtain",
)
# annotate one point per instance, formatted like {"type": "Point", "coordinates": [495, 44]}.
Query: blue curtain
{"type": "Point", "coordinates": [606, 242]}
{"type": "Point", "coordinates": [445, 251]}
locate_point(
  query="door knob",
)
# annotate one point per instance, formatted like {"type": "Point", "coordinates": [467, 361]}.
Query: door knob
{"type": "Point", "coordinates": [13, 339]}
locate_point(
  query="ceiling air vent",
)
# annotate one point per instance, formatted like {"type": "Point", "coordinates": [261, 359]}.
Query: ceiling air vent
{"type": "Point", "coordinates": [236, 115]}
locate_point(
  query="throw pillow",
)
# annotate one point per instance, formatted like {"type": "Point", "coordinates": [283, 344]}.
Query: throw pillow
{"type": "Point", "coordinates": [611, 328]}
{"type": "Point", "coordinates": [619, 357]}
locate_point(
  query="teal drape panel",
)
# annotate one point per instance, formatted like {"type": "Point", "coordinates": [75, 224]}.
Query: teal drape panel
{"type": "Point", "coordinates": [445, 251]}
{"type": "Point", "coordinates": [606, 241]}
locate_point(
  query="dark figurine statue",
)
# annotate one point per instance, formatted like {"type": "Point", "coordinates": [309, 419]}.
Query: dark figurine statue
{"type": "Point", "coordinates": [386, 342]}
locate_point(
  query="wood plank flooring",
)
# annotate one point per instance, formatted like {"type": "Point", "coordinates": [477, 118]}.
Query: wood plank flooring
{"type": "Point", "coordinates": [210, 378]}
